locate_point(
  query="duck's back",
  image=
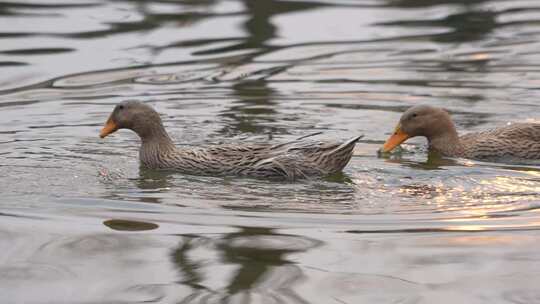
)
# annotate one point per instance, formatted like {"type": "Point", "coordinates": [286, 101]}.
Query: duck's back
{"type": "Point", "coordinates": [513, 142]}
{"type": "Point", "coordinates": [291, 160]}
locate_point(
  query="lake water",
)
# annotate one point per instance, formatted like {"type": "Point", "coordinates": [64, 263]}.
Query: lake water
{"type": "Point", "coordinates": [81, 223]}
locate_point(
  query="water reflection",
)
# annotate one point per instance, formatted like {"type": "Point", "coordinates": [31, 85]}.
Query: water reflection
{"type": "Point", "coordinates": [253, 111]}
{"type": "Point", "coordinates": [155, 179]}
{"type": "Point", "coordinates": [129, 225]}
{"type": "Point", "coordinates": [420, 3]}
{"type": "Point", "coordinates": [258, 263]}
{"type": "Point", "coordinates": [78, 217]}
{"type": "Point", "coordinates": [434, 160]}
{"type": "Point", "coordinates": [259, 26]}
{"type": "Point", "coordinates": [190, 269]}
{"type": "Point", "coordinates": [468, 26]}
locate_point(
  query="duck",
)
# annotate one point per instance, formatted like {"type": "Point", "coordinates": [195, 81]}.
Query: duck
{"type": "Point", "coordinates": [297, 159]}
{"type": "Point", "coordinates": [516, 141]}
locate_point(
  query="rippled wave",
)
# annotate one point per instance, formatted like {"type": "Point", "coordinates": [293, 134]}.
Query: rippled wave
{"type": "Point", "coordinates": [79, 217]}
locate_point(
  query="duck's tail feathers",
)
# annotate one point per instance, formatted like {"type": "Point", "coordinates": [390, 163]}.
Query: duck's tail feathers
{"type": "Point", "coordinates": [339, 157]}
{"type": "Point", "coordinates": [347, 146]}
{"type": "Point", "coordinates": [309, 135]}
{"type": "Point", "coordinates": [292, 166]}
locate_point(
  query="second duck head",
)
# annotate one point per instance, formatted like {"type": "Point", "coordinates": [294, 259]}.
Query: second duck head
{"type": "Point", "coordinates": [421, 120]}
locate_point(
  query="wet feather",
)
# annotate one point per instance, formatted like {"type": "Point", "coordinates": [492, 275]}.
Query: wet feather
{"type": "Point", "coordinates": [514, 142]}
{"type": "Point", "coordinates": [297, 159]}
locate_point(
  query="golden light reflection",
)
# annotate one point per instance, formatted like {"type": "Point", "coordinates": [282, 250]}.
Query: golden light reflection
{"type": "Point", "coordinates": [534, 173]}
{"type": "Point", "coordinates": [470, 200]}
{"type": "Point", "coordinates": [467, 163]}
{"type": "Point", "coordinates": [477, 197]}
{"type": "Point", "coordinates": [480, 56]}
{"type": "Point", "coordinates": [468, 228]}
{"type": "Point", "coordinates": [509, 184]}
{"type": "Point", "coordinates": [483, 240]}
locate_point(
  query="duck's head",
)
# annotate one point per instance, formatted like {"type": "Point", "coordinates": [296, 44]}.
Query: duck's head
{"type": "Point", "coordinates": [420, 120]}
{"type": "Point", "coordinates": [133, 115]}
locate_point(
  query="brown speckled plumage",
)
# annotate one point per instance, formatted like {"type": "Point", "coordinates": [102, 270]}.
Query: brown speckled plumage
{"type": "Point", "coordinates": [291, 160]}
{"type": "Point", "coordinates": [517, 141]}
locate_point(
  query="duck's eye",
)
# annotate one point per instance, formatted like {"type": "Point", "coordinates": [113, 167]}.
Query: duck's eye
{"type": "Point", "coordinates": [414, 115]}
{"type": "Point", "coordinates": [120, 107]}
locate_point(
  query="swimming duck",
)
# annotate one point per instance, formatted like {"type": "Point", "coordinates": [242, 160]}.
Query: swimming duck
{"type": "Point", "coordinates": [291, 160]}
{"type": "Point", "coordinates": [518, 141]}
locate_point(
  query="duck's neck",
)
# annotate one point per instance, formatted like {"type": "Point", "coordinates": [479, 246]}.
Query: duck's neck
{"type": "Point", "coordinates": [155, 143]}
{"type": "Point", "coordinates": [446, 143]}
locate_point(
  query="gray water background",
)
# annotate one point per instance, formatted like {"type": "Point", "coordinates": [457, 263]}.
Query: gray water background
{"type": "Point", "coordinates": [81, 223]}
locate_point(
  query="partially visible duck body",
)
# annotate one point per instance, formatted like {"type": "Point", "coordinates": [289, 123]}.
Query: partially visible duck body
{"type": "Point", "coordinates": [292, 160]}
{"type": "Point", "coordinates": [517, 141]}
{"type": "Point", "coordinates": [514, 142]}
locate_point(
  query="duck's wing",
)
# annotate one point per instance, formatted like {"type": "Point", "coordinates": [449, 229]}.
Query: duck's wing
{"type": "Point", "coordinates": [287, 166]}
{"type": "Point", "coordinates": [322, 156]}
{"type": "Point", "coordinates": [515, 141]}
{"type": "Point", "coordinates": [322, 147]}
{"type": "Point", "coordinates": [520, 132]}
{"type": "Point", "coordinates": [290, 160]}
{"type": "Point", "coordinates": [255, 160]}
{"type": "Point", "coordinates": [515, 131]}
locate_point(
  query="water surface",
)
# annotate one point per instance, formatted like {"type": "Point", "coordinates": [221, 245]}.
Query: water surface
{"type": "Point", "coordinates": [82, 223]}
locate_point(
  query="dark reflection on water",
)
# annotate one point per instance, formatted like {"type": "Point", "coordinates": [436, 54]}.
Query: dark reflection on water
{"type": "Point", "coordinates": [128, 225]}
{"type": "Point", "coordinates": [434, 161]}
{"type": "Point", "coordinates": [154, 180]}
{"type": "Point", "coordinates": [468, 26]}
{"type": "Point", "coordinates": [254, 104]}
{"type": "Point", "coordinates": [258, 257]}
{"type": "Point", "coordinates": [82, 223]}
{"type": "Point", "coordinates": [419, 3]}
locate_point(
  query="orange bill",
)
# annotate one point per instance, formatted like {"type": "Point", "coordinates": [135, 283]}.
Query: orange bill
{"type": "Point", "coordinates": [109, 127]}
{"type": "Point", "coordinates": [395, 140]}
